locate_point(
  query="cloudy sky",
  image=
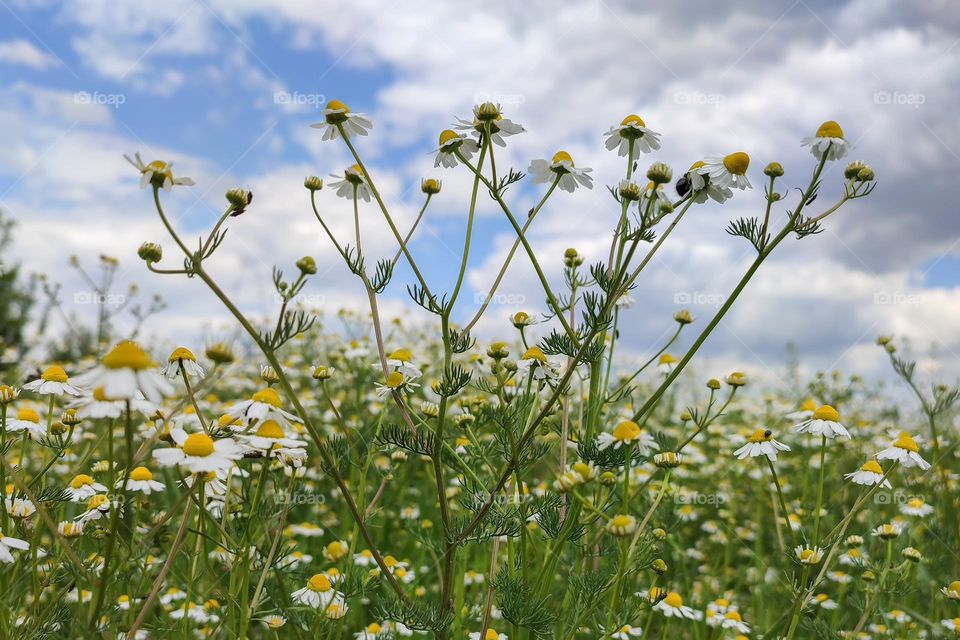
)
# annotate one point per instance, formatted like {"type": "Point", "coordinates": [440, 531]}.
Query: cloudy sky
{"type": "Point", "coordinates": [227, 89]}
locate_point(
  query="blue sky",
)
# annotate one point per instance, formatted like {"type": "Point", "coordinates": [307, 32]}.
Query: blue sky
{"type": "Point", "coordinates": [227, 90]}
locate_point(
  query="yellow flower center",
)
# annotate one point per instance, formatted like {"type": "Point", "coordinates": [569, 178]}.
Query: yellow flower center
{"type": "Point", "coordinates": [907, 443]}
{"type": "Point", "coordinates": [267, 396]}
{"type": "Point", "coordinates": [448, 135]}
{"type": "Point", "coordinates": [394, 380]}
{"type": "Point", "coordinates": [54, 374]}
{"type": "Point", "coordinates": [181, 353]}
{"type": "Point", "coordinates": [562, 156]}
{"type": "Point", "coordinates": [761, 435]}
{"type": "Point", "coordinates": [29, 415]}
{"type": "Point", "coordinates": [141, 474]}
{"type": "Point", "coordinates": [674, 600]}
{"type": "Point", "coordinates": [198, 445]}
{"type": "Point", "coordinates": [95, 502]}
{"type": "Point", "coordinates": [830, 129]}
{"type": "Point", "coordinates": [534, 353]}
{"type": "Point", "coordinates": [336, 105]}
{"type": "Point", "coordinates": [807, 554]}
{"type": "Point", "coordinates": [826, 412]}
{"type": "Point", "coordinates": [697, 165]}
{"type": "Point", "coordinates": [158, 166]}
{"type": "Point", "coordinates": [733, 615]}
{"type": "Point", "coordinates": [582, 468]}
{"type": "Point", "coordinates": [626, 430]}
{"type": "Point", "coordinates": [81, 480]}
{"type": "Point", "coordinates": [491, 635]}
{"type": "Point", "coordinates": [667, 359]}
{"type": "Point", "coordinates": [915, 503]}
{"type": "Point", "coordinates": [319, 583]}
{"type": "Point", "coordinates": [872, 466]}
{"type": "Point", "coordinates": [632, 119]}
{"type": "Point", "coordinates": [737, 163]}
{"type": "Point", "coordinates": [99, 395]}
{"type": "Point", "coordinates": [390, 562]}
{"type": "Point", "coordinates": [270, 429]}
{"type": "Point", "coordinates": [403, 355]}
{"type": "Point", "coordinates": [127, 355]}
{"type": "Point", "coordinates": [954, 586]}
{"type": "Point", "coordinates": [808, 405]}
{"type": "Point", "coordinates": [620, 521]}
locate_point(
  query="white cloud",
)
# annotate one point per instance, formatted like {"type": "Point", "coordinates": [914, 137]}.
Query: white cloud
{"type": "Point", "coordinates": [23, 52]}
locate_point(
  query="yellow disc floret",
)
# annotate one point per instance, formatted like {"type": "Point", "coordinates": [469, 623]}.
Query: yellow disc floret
{"type": "Point", "coordinates": [737, 163]}
{"type": "Point", "coordinates": [626, 430]}
{"type": "Point", "coordinates": [141, 474]}
{"type": "Point", "coordinates": [54, 373]}
{"type": "Point", "coordinates": [267, 396]}
{"type": "Point", "coordinates": [826, 412]}
{"type": "Point", "coordinates": [562, 156]}
{"type": "Point", "coordinates": [270, 429]}
{"type": "Point", "coordinates": [907, 443]}
{"type": "Point", "coordinates": [198, 444]}
{"type": "Point", "coordinates": [127, 355]}
{"type": "Point", "coordinates": [319, 583]}
{"type": "Point", "coordinates": [830, 129]}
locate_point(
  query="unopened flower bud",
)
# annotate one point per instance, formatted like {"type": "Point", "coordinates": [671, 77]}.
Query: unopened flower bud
{"type": "Point", "coordinates": [268, 374]}
{"type": "Point", "coordinates": [150, 252]}
{"type": "Point", "coordinates": [430, 186]}
{"type": "Point", "coordinates": [239, 200]}
{"type": "Point", "coordinates": [659, 173]}
{"type": "Point", "coordinates": [323, 372]}
{"type": "Point", "coordinates": [659, 566]}
{"type": "Point", "coordinates": [608, 478]}
{"type": "Point", "coordinates": [713, 384]}
{"type": "Point", "coordinates": [683, 317]}
{"type": "Point", "coordinates": [307, 265]}
{"type": "Point", "coordinates": [773, 170]}
{"type": "Point", "coordinates": [313, 183]}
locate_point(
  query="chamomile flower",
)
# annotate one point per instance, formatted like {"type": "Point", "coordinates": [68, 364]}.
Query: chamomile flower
{"type": "Point", "coordinates": [906, 451]}
{"type": "Point", "coordinates": [577, 474]}
{"type": "Point", "coordinates": [727, 172]}
{"type": "Point", "coordinates": [952, 624]}
{"type": "Point", "coordinates": [157, 173]}
{"type": "Point", "coordinates": [472, 577]}
{"type": "Point", "coordinates": [917, 507]}
{"type": "Point", "coordinates": [491, 634]}
{"type": "Point", "coordinates": [97, 405]}
{"type": "Point", "coordinates": [804, 413]}
{"type": "Point", "coordinates": [672, 606]}
{"type": "Point", "coordinates": [198, 452]}
{"type": "Point", "coordinates": [270, 439]}
{"type": "Point", "coordinates": [952, 590]}
{"type": "Point", "coordinates": [666, 363]}
{"type": "Point", "coordinates": [262, 405]}
{"type": "Point", "coordinates": [697, 183]}
{"type": "Point", "coordinates": [535, 361]}
{"type": "Point", "coordinates": [141, 480]}
{"type": "Point", "coordinates": [29, 420]}
{"type": "Point", "coordinates": [354, 180]}
{"type": "Point", "coordinates": [486, 115]}
{"type": "Point", "coordinates": [733, 620]}
{"type": "Point", "coordinates": [654, 202]}
{"type": "Point", "coordinates": [336, 550]}
{"type": "Point", "coordinates": [760, 443]}
{"type": "Point", "coordinates": [869, 474]}
{"type": "Point", "coordinates": [808, 555]}
{"type": "Point", "coordinates": [19, 508]}
{"type": "Point", "coordinates": [98, 507]}
{"type": "Point", "coordinates": [125, 373]}
{"type": "Point", "coordinates": [825, 422]}
{"type": "Point", "coordinates": [622, 525]}
{"type": "Point", "coordinates": [183, 357]}
{"type": "Point", "coordinates": [561, 164]}
{"type": "Point", "coordinates": [82, 487]}
{"type": "Point", "coordinates": [305, 529]}
{"type": "Point", "coordinates": [402, 360]}
{"type": "Point", "coordinates": [887, 530]}
{"type": "Point", "coordinates": [371, 632]}
{"type": "Point", "coordinates": [318, 593]}
{"type": "Point", "coordinates": [53, 381]}
{"type": "Point", "coordinates": [336, 115]}
{"type": "Point", "coordinates": [9, 542]}
{"type": "Point", "coordinates": [273, 622]}
{"type": "Point", "coordinates": [823, 601]}
{"type": "Point", "coordinates": [452, 142]}
{"type": "Point", "coordinates": [626, 433]}
{"type": "Point", "coordinates": [626, 632]}
{"type": "Point", "coordinates": [394, 381]}
{"type": "Point", "coordinates": [632, 128]}
{"type": "Point", "coordinates": [828, 141]}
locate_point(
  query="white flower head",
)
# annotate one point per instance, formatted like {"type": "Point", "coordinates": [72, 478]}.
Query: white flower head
{"type": "Point", "coordinates": [158, 173]}
{"type": "Point", "coordinates": [828, 141]}
{"type": "Point", "coordinates": [561, 167]}
{"type": "Point", "coordinates": [337, 115]}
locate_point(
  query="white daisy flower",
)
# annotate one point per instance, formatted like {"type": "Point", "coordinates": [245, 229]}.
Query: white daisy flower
{"type": "Point", "coordinates": [804, 413]}
{"type": "Point", "coordinates": [536, 361]}
{"type": "Point", "coordinates": [125, 373]}
{"type": "Point", "coordinates": [394, 381]}
{"type": "Point", "coordinates": [262, 405]}
{"type": "Point", "coordinates": [622, 525]}
{"type": "Point", "coordinates": [472, 577]}
{"type": "Point", "coordinates": [952, 624]}
{"type": "Point", "coordinates": [825, 421]}
{"type": "Point", "coordinates": [29, 420]}
{"type": "Point", "coordinates": [672, 606]}
{"type": "Point", "coordinates": [561, 164]}
{"type": "Point", "coordinates": [632, 128]}
{"type": "Point", "coordinates": [626, 631]}
{"type": "Point", "coordinates": [337, 113]}
{"type": "Point", "coordinates": [371, 632]}
{"type": "Point", "coordinates": [491, 634]}
{"type": "Point", "coordinates": [7, 543]}
{"type": "Point", "coordinates": [728, 172]}
{"type": "Point", "coordinates": [666, 363]}
{"type": "Point", "coordinates": [733, 620]}
{"type": "Point", "coordinates": [401, 360]}
{"type": "Point", "coordinates": [916, 506]}
{"type": "Point", "coordinates": [353, 180]}
{"type": "Point", "coordinates": [808, 555]}
{"type": "Point", "coordinates": [887, 530]}
{"type": "Point", "coordinates": [625, 433]}
{"type": "Point", "coordinates": [869, 474]}
{"type": "Point", "coordinates": [952, 590]}
{"type": "Point", "coordinates": [182, 356]}
{"type": "Point", "coordinates": [305, 529]}
{"type": "Point", "coordinates": [269, 439]}
{"type": "Point", "coordinates": [318, 593]}
{"type": "Point", "coordinates": [157, 172]}
{"type": "Point", "coordinates": [141, 480]}
{"type": "Point", "coordinates": [823, 601]}
{"type": "Point", "coordinates": [53, 381]}
{"type": "Point", "coordinates": [83, 487]}
{"type": "Point", "coordinates": [700, 185]}
{"type": "Point", "coordinates": [97, 405]}
{"type": "Point", "coordinates": [828, 141]}
{"type": "Point", "coordinates": [486, 114]}
{"type": "Point", "coordinates": [906, 451]}
{"type": "Point", "coordinates": [760, 443]}
{"type": "Point", "coordinates": [652, 200]}
{"type": "Point", "coordinates": [450, 142]}
{"type": "Point", "coordinates": [274, 621]}
{"type": "Point", "coordinates": [98, 507]}
{"type": "Point", "coordinates": [19, 508]}
{"type": "Point", "coordinates": [199, 453]}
